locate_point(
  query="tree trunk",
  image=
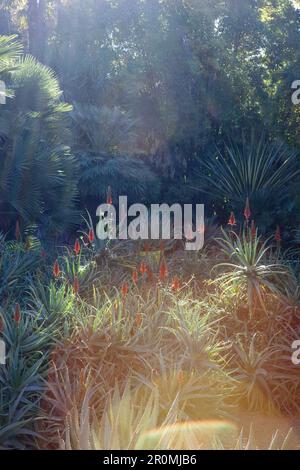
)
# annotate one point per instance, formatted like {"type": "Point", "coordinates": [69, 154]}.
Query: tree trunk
{"type": "Point", "coordinates": [37, 28]}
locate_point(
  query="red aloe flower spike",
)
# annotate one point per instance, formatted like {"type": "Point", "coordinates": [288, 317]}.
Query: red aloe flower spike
{"type": "Point", "coordinates": [278, 235]}
{"type": "Point", "coordinates": [232, 220]}
{"type": "Point", "coordinates": [149, 274]}
{"type": "Point", "coordinates": [56, 269]}
{"type": "Point", "coordinates": [176, 283]}
{"type": "Point", "coordinates": [247, 211]}
{"type": "Point", "coordinates": [143, 268]}
{"type": "Point", "coordinates": [91, 235]}
{"type": "Point", "coordinates": [135, 277]}
{"type": "Point", "coordinates": [162, 245]}
{"type": "Point", "coordinates": [77, 247]}
{"type": "Point", "coordinates": [138, 320]}
{"type": "Point", "coordinates": [181, 377]}
{"type": "Point", "coordinates": [75, 285]}
{"type": "Point", "coordinates": [17, 315]}
{"type": "Point", "coordinates": [109, 196]}
{"type": "Point", "coordinates": [124, 290]}
{"type": "Point", "coordinates": [253, 229]}
{"type": "Point", "coordinates": [17, 231]}
{"type": "Point", "coordinates": [163, 270]}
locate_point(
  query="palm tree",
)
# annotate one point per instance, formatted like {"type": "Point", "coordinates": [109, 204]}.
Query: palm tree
{"type": "Point", "coordinates": [104, 142]}
{"type": "Point", "coordinates": [37, 179]}
{"type": "Point", "coordinates": [10, 50]}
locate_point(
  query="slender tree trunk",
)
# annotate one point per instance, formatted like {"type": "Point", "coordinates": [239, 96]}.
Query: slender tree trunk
{"type": "Point", "coordinates": [37, 28]}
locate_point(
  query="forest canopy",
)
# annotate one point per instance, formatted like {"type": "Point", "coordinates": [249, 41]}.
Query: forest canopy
{"type": "Point", "coordinates": [155, 88]}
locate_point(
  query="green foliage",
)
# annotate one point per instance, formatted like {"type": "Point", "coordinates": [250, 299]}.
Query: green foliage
{"type": "Point", "coordinates": [10, 50]}
{"type": "Point", "coordinates": [126, 176]}
{"type": "Point", "coordinates": [101, 135]}
{"type": "Point", "coordinates": [258, 169]}
{"type": "Point", "coordinates": [16, 265]}
{"type": "Point", "coordinates": [27, 347]}
{"type": "Point", "coordinates": [102, 130]}
{"type": "Point", "coordinates": [37, 183]}
{"type": "Point", "coordinates": [251, 267]}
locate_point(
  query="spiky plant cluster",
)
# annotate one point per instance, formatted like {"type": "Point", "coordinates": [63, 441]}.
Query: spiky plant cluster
{"type": "Point", "coordinates": [101, 336]}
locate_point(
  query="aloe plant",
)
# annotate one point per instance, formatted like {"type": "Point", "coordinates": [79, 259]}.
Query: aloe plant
{"type": "Point", "coordinates": [251, 267]}
{"type": "Point", "coordinates": [258, 169]}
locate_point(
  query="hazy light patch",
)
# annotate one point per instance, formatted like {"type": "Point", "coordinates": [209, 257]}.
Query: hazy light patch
{"type": "Point", "coordinates": [296, 3]}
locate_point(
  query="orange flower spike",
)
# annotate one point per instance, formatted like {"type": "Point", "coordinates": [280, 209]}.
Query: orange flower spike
{"type": "Point", "coordinates": [175, 284]}
{"type": "Point", "coordinates": [17, 231]}
{"type": "Point", "coordinates": [138, 320]}
{"type": "Point", "coordinates": [181, 377]}
{"type": "Point", "coordinates": [124, 290]}
{"type": "Point", "coordinates": [109, 196]}
{"type": "Point", "coordinates": [278, 235]}
{"type": "Point", "coordinates": [91, 236]}
{"type": "Point", "coordinates": [135, 277]}
{"type": "Point", "coordinates": [232, 220]}
{"type": "Point", "coordinates": [163, 270]}
{"type": "Point", "coordinates": [77, 247]}
{"type": "Point", "coordinates": [56, 269]}
{"type": "Point", "coordinates": [247, 211]}
{"type": "Point", "coordinates": [143, 268]}
{"type": "Point", "coordinates": [76, 285]}
{"type": "Point", "coordinates": [149, 274]}
{"type": "Point", "coordinates": [17, 315]}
